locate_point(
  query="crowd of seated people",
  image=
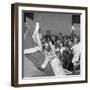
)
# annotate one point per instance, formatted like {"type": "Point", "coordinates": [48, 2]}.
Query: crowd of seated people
{"type": "Point", "coordinates": [67, 48]}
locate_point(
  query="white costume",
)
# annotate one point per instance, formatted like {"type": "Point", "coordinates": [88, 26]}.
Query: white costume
{"type": "Point", "coordinates": [77, 50]}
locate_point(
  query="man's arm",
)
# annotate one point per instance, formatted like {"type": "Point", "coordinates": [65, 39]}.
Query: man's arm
{"type": "Point", "coordinates": [36, 36]}
{"type": "Point", "coordinates": [36, 39]}
{"type": "Point", "coordinates": [31, 50]}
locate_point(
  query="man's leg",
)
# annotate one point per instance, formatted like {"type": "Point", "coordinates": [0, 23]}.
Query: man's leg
{"type": "Point", "coordinates": [45, 63]}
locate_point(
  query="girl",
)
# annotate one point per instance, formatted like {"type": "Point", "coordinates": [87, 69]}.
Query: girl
{"type": "Point", "coordinates": [54, 61]}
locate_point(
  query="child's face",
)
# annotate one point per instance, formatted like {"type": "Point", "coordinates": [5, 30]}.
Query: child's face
{"type": "Point", "coordinates": [75, 40]}
{"type": "Point", "coordinates": [58, 41]}
{"type": "Point", "coordinates": [70, 43]}
{"type": "Point", "coordinates": [46, 44]}
{"type": "Point", "coordinates": [61, 44]}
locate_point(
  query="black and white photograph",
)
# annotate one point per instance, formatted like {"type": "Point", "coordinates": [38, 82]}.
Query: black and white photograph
{"type": "Point", "coordinates": [51, 44]}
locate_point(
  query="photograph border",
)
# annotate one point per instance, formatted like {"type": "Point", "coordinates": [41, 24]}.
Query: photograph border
{"type": "Point", "coordinates": [14, 43]}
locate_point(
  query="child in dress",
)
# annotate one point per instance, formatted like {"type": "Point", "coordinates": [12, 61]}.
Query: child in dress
{"type": "Point", "coordinates": [53, 59]}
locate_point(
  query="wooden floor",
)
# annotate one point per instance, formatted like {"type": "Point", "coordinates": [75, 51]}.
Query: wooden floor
{"type": "Point", "coordinates": [32, 70]}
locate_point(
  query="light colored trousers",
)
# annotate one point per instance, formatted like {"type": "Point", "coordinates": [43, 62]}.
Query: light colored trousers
{"type": "Point", "coordinates": [55, 64]}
